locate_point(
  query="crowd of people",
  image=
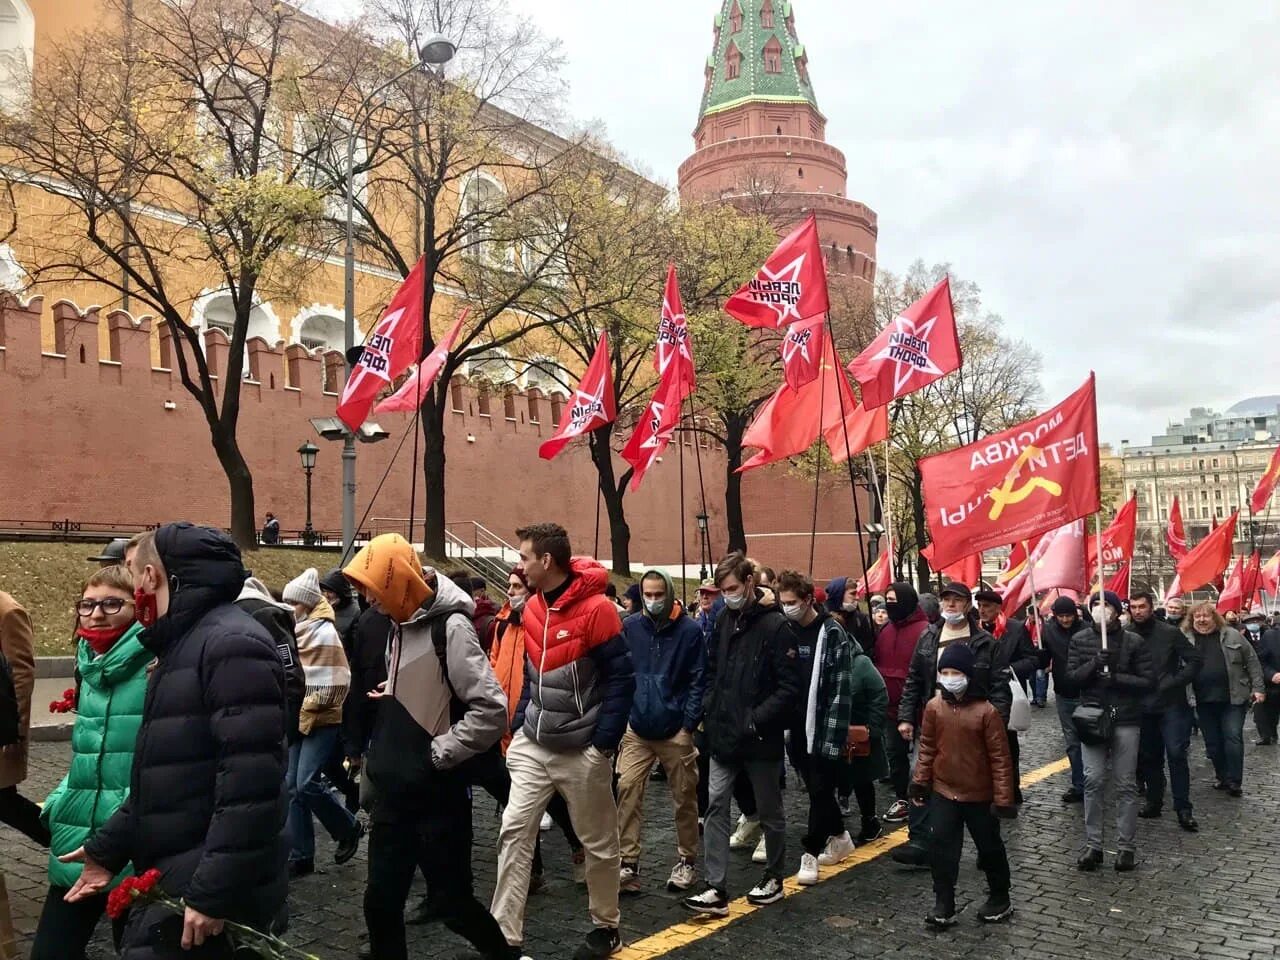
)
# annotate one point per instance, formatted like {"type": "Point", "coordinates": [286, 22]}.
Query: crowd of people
{"type": "Point", "coordinates": [216, 720]}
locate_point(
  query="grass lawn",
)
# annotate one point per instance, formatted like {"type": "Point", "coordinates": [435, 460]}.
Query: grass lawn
{"type": "Point", "coordinates": [46, 578]}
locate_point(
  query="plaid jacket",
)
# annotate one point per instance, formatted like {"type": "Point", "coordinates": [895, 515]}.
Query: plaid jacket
{"type": "Point", "coordinates": [835, 691]}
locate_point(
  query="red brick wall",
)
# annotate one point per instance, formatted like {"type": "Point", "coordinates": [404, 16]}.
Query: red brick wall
{"type": "Point", "coordinates": [95, 439]}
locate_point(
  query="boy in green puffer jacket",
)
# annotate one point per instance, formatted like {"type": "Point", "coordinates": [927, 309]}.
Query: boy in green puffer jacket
{"type": "Point", "coordinates": [111, 664]}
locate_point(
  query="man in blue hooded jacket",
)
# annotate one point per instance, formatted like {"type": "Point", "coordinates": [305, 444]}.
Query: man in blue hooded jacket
{"type": "Point", "coordinates": [669, 656]}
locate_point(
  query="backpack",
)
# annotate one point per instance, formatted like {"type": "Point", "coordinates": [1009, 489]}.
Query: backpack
{"type": "Point", "coordinates": [10, 720]}
{"type": "Point", "coordinates": [472, 769]}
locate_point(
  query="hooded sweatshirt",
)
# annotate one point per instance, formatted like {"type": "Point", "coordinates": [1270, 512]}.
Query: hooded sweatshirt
{"type": "Point", "coordinates": [277, 619]}
{"type": "Point", "coordinates": [438, 714]}
{"type": "Point", "coordinates": [897, 642]}
{"type": "Point", "coordinates": [669, 657]}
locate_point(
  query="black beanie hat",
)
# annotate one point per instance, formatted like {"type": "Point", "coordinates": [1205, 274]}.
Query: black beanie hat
{"type": "Point", "coordinates": [1064, 605]}
{"type": "Point", "coordinates": [957, 656]}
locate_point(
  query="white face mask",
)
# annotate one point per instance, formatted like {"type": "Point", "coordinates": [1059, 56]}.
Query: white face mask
{"type": "Point", "coordinates": [736, 603]}
{"type": "Point", "coordinates": [517, 603]}
{"type": "Point", "coordinates": [654, 607]}
{"type": "Point", "coordinates": [1099, 613]}
{"type": "Point", "coordinates": [793, 611]}
{"type": "Point", "coordinates": [956, 686]}
{"type": "Point", "coordinates": [849, 607]}
{"type": "Point", "coordinates": [954, 617]}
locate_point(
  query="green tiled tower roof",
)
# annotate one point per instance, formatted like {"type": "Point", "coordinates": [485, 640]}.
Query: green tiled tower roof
{"type": "Point", "coordinates": [748, 44]}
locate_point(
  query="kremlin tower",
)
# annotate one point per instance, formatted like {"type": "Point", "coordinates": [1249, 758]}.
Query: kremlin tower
{"type": "Point", "coordinates": [761, 142]}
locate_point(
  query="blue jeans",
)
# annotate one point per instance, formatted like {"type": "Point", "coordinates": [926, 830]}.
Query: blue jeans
{"type": "Point", "coordinates": [308, 794]}
{"type": "Point", "coordinates": [1041, 687]}
{"type": "Point", "coordinates": [1166, 735]}
{"type": "Point", "coordinates": [1222, 725]}
{"type": "Point", "coordinates": [1066, 707]}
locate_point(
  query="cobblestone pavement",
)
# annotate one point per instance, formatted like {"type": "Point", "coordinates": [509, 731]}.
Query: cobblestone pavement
{"type": "Point", "coordinates": [1207, 895]}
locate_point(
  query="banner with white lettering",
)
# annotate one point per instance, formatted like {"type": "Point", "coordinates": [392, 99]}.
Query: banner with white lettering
{"type": "Point", "coordinates": [1013, 485]}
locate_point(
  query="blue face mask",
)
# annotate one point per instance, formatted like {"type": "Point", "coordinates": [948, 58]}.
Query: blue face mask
{"type": "Point", "coordinates": [1253, 627]}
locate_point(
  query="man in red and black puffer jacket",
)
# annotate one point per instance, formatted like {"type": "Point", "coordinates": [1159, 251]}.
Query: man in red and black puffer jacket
{"type": "Point", "coordinates": [573, 712]}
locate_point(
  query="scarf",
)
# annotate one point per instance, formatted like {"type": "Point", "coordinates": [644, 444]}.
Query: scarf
{"type": "Point", "coordinates": [815, 677]}
{"type": "Point", "coordinates": [324, 661]}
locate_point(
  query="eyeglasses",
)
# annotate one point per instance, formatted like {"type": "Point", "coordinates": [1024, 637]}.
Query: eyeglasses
{"type": "Point", "coordinates": [110, 606]}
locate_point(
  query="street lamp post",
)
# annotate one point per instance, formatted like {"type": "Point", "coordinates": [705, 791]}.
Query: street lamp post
{"type": "Point", "coordinates": [702, 519]}
{"type": "Point", "coordinates": [308, 452]}
{"type": "Point", "coordinates": [435, 52]}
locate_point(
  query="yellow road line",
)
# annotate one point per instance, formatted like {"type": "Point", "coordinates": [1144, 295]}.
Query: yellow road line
{"type": "Point", "coordinates": [690, 931]}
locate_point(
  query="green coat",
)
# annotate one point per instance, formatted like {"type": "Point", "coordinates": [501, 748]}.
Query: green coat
{"type": "Point", "coordinates": [113, 688]}
{"type": "Point", "coordinates": [870, 708]}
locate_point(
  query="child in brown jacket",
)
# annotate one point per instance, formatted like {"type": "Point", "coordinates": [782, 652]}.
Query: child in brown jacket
{"type": "Point", "coordinates": [964, 760]}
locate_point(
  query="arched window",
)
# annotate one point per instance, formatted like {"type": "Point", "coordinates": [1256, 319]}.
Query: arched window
{"type": "Point", "coordinates": [17, 53]}
{"type": "Point", "coordinates": [483, 201]}
{"type": "Point", "coordinates": [732, 62]}
{"type": "Point", "coordinates": [773, 56]}
{"type": "Point", "coordinates": [216, 311]}
{"type": "Point", "coordinates": [735, 18]}
{"type": "Point", "coordinates": [322, 332]}
{"type": "Point", "coordinates": [493, 366]}
{"type": "Point", "coordinates": [766, 15]}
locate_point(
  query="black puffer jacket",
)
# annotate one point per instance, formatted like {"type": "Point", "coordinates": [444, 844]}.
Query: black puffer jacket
{"type": "Point", "coordinates": [366, 644]}
{"type": "Point", "coordinates": [1132, 673]}
{"type": "Point", "coordinates": [1056, 641]}
{"type": "Point", "coordinates": [753, 682]}
{"type": "Point", "coordinates": [207, 799]}
{"type": "Point", "coordinates": [990, 679]}
{"type": "Point", "coordinates": [1176, 662]}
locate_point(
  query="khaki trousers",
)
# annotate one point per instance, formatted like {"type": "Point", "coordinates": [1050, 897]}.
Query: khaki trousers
{"type": "Point", "coordinates": [679, 757]}
{"type": "Point", "coordinates": [585, 779]}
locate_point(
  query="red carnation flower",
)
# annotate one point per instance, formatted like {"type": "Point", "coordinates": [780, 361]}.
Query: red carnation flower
{"type": "Point", "coordinates": [69, 693]}
{"type": "Point", "coordinates": [147, 882]}
{"type": "Point", "coordinates": [118, 901]}
{"type": "Point", "coordinates": [54, 705]}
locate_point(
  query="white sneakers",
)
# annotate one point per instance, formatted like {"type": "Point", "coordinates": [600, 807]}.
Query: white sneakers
{"type": "Point", "coordinates": [682, 876]}
{"type": "Point", "coordinates": [808, 874]}
{"type": "Point", "coordinates": [761, 855]}
{"type": "Point", "coordinates": [838, 850]}
{"type": "Point", "coordinates": [546, 823]}
{"type": "Point", "coordinates": [745, 834]}
{"type": "Point", "coordinates": [628, 879]}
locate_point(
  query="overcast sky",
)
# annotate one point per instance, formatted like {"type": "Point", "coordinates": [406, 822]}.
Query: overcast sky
{"type": "Point", "coordinates": [1107, 172]}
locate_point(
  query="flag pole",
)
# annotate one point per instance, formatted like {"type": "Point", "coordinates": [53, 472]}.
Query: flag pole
{"type": "Point", "coordinates": [599, 494]}
{"type": "Point", "coordinates": [817, 474]}
{"type": "Point", "coordinates": [684, 563]}
{"type": "Point", "coordinates": [1097, 518]}
{"type": "Point", "coordinates": [697, 453]}
{"type": "Point", "coordinates": [848, 459]}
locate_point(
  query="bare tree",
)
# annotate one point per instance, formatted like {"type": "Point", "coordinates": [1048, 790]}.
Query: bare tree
{"type": "Point", "coordinates": [163, 140]}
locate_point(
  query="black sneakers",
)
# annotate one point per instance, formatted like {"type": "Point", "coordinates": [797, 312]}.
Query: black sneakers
{"type": "Point", "coordinates": [943, 913]}
{"type": "Point", "coordinates": [709, 903]}
{"type": "Point", "coordinates": [600, 943]}
{"type": "Point", "coordinates": [1090, 861]}
{"type": "Point", "coordinates": [911, 855]}
{"type": "Point", "coordinates": [1126, 862]}
{"type": "Point", "coordinates": [996, 909]}
{"type": "Point", "coordinates": [1187, 822]}
{"type": "Point", "coordinates": [767, 891]}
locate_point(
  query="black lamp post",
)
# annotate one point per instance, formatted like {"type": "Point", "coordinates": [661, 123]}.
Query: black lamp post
{"type": "Point", "coordinates": [702, 545]}
{"type": "Point", "coordinates": [308, 452]}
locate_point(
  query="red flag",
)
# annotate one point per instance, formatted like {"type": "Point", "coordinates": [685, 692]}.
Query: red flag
{"type": "Point", "coordinates": [395, 344]}
{"type": "Point", "coordinates": [1210, 557]}
{"type": "Point", "coordinates": [1175, 535]}
{"type": "Point", "coordinates": [1269, 575]}
{"type": "Point", "coordinates": [1251, 581]}
{"type": "Point", "coordinates": [917, 348]}
{"type": "Point", "coordinates": [1175, 589]}
{"type": "Point", "coordinates": [967, 570]}
{"type": "Point", "coordinates": [879, 574]}
{"type": "Point", "coordinates": [1266, 485]}
{"type": "Point", "coordinates": [1232, 594]}
{"type": "Point", "coordinates": [673, 338]}
{"type": "Point", "coordinates": [792, 284]}
{"type": "Point", "coordinates": [1057, 561]}
{"type": "Point", "coordinates": [802, 351]}
{"type": "Point", "coordinates": [593, 403]}
{"type": "Point", "coordinates": [1036, 476]}
{"type": "Point", "coordinates": [791, 420]}
{"type": "Point", "coordinates": [1119, 582]}
{"type": "Point", "coordinates": [414, 390]}
{"type": "Point", "coordinates": [1117, 540]}
{"type": "Point", "coordinates": [654, 428]}
{"type": "Point", "coordinates": [1017, 559]}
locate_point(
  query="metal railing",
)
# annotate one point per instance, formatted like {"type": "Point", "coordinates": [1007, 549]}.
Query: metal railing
{"type": "Point", "coordinates": [481, 549]}
{"type": "Point", "coordinates": [70, 529]}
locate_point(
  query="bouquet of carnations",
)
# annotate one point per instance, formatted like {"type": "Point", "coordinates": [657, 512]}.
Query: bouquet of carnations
{"type": "Point", "coordinates": [145, 889]}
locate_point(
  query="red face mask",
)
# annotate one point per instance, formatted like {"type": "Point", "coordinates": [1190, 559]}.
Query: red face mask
{"type": "Point", "coordinates": [101, 639]}
{"type": "Point", "coordinates": [146, 608]}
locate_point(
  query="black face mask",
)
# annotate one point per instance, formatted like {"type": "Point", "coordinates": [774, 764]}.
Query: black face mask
{"type": "Point", "coordinates": [895, 610]}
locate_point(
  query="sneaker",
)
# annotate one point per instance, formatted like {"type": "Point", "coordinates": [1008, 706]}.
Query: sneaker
{"type": "Point", "coordinates": [761, 853]}
{"type": "Point", "coordinates": [1073, 796]}
{"type": "Point", "coordinates": [1126, 862]}
{"type": "Point", "coordinates": [943, 913]}
{"type": "Point", "coordinates": [1264, 741]}
{"type": "Point", "coordinates": [1187, 822]}
{"type": "Point", "coordinates": [807, 875]}
{"type": "Point", "coordinates": [1234, 790]}
{"type": "Point", "coordinates": [898, 812]}
{"type": "Point", "coordinates": [911, 855]}
{"type": "Point", "coordinates": [745, 835]}
{"type": "Point", "coordinates": [600, 943]}
{"type": "Point", "coordinates": [682, 876]}
{"type": "Point", "coordinates": [996, 909]}
{"type": "Point", "coordinates": [629, 878]}
{"type": "Point", "coordinates": [579, 859]}
{"type": "Point", "coordinates": [546, 823]}
{"type": "Point", "coordinates": [347, 849]}
{"type": "Point", "coordinates": [838, 850]}
{"type": "Point", "coordinates": [709, 903]}
{"type": "Point", "coordinates": [767, 891]}
{"type": "Point", "coordinates": [871, 829]}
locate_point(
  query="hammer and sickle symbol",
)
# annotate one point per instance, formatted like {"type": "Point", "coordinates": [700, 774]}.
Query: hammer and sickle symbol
{"type": "Point", "coordinates": [1004, 495]}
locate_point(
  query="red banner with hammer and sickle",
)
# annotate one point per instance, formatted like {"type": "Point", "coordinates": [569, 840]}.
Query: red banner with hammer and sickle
{"type": "Point", "coordinates": [1010, 486]}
